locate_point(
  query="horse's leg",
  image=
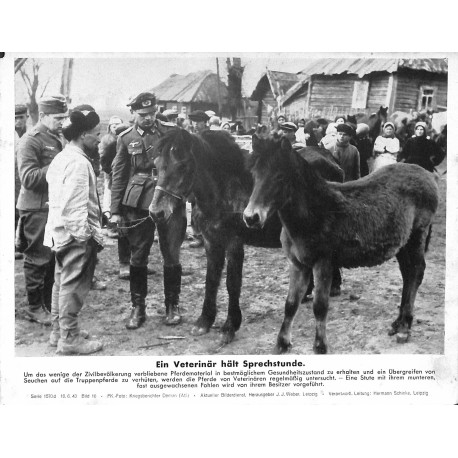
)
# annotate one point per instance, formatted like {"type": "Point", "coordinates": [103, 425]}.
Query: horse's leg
{"type": "Point", "coordinates": [299, 277]}
{"type": "Point", "coordinates": [171, 236]}
{"type": "Point", "coordinates": [235, 256]}
{"type": "Point", "coordinates": [414, 270]}
{"type": "Point", "coordinates": [322, 271]}
{"type": "Point", "coordinates": [215, 263]}
{"type": "Point", "coordinates": [404, 261]}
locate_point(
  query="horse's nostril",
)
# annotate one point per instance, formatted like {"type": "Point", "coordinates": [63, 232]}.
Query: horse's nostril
{"type": "Point", "coordinates": [252, 220]}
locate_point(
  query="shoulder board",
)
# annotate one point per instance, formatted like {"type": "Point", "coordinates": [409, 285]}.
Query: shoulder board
{"type": "Point", "coordinates": [34, 132]}
{"type": "Point", "coordinates": [124, 132]}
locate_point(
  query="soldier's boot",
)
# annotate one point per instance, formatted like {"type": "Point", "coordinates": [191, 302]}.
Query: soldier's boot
{"type": "Point", "coordinates": [138, 290]}
{"type": "Point", "coordinates": [35, 311]}
{"type": "Point", "coordinates": [172, 289]}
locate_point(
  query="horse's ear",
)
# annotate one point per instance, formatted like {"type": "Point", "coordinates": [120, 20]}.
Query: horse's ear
{"type": "Point", "coordinates": [285, 145]}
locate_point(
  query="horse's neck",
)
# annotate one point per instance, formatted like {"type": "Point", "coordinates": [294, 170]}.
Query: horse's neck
{"type": "Point", "coordinates": [305, 197]}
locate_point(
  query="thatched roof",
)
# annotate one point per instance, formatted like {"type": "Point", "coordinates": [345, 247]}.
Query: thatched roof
{"type": "Point", "coordinates": [364, 66]}
{"type": "Point", "coordinates": [199, 86]}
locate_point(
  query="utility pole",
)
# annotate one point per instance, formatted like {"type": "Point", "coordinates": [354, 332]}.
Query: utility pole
{"type": "Point", "coordinates": [66, 81]}
{"type": "Point", "coordinates": [219, 89]}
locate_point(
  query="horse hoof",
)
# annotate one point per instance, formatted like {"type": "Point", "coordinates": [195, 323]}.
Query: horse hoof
{"type": "Point", "coordinates": [402, 337]}
{"type": "Point", "coordinates": [199, 331]}
{"type": "Point", "coordinates": [227, 338]}
{"type": "Point", "coordinates": [281, 350]}
{"type": "Point", "coordinates": [320, 349]}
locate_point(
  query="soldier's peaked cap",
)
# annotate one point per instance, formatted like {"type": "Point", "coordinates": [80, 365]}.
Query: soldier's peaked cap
{"type": "Point", "coordinates": [20, 110]}
{"type": "Point", "coordinates": [143, 102]}
{"type": "Point", "coordinates": [198, 115]}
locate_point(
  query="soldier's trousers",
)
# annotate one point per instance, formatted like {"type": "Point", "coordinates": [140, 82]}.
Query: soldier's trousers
{"type": "Point", "coordinates": [38, 259]}
{"type": "Point", "coordinates": [140, 237]}
{"type": "Point", "coordinates": [75, 265]}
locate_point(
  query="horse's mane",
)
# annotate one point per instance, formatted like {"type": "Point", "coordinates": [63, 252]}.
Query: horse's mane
{"type": "Point", "coordinates": [215, 150]}
{"type": "Point", "coordinates": [300, 173]}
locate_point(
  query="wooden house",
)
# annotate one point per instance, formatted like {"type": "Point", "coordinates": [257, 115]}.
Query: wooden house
{"type": "Point", "coordinates": [269, 90]}
{"type": "Point", "coordinates": [328, 87]}
{"type": "Point", "coordinates": [196, 91]}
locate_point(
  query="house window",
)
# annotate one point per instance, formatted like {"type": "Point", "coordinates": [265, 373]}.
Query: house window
{"type": "Point", "coordinates": [360, 91]}
{"type": "Point", "coordinates": [426, 101]}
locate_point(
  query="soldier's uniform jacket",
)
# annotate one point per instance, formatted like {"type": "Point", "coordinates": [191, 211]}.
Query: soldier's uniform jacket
{"type": "Point", "coordinates": [37, 149]}
{"type": "Point", "coordinates": [134, 160]}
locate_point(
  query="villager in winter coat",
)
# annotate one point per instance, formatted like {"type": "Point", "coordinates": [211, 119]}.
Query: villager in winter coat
{"type": "Point", "coordinates": [421, 150]}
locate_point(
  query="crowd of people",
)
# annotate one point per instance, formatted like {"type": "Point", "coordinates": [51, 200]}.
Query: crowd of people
{"type": "Point", "coordinates": [61, 222]}
{"type": "Point", "coordinates": [356, 152]}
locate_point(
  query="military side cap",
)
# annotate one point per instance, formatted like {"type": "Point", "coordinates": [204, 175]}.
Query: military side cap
{"type": "Point", "coordinates": [198, 115]}
{"type": "Point", "coordinates": [288, 126]}
{"type": "Point", "coordinates": [53, 104]}
{"type": "Point", "coordinates": [346, 129]}
{"type": "Point", "coordinates": [145, 102]}
{"type": "Point", "coordinates": [20, 110]}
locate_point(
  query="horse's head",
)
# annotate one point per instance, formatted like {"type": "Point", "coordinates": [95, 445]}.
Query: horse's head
{"type": "Point", "coordinates": [270, 161]}
{"type": "Point", "coordinates": [176, 168]}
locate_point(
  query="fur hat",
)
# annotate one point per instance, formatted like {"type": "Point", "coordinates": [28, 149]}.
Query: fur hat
{"type": "Point", "coordinates": [420, 124]}
{"type": "Point", "coordinates": [79, 121]}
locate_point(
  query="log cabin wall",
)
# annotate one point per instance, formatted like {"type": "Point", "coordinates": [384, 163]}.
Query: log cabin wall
{"type": "Point", "coordinates": [409, 85]}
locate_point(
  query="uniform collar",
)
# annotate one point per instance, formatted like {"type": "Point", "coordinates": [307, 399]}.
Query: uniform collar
{"type": "Point", "coordinates": [144, 132]}
{"type": "Point", "coordinates": [151, 131]}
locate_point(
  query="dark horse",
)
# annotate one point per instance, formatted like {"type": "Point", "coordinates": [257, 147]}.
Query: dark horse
{"type": "Point", "coordinates": [356, 224]}
{"type": "Point", "coordinates": [214, 169]}
{"type": "Point", "coordinates": [375, 121]}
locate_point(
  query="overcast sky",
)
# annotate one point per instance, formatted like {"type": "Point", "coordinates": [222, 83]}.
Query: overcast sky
{"type": "Point", "coordinates": [108, 82]}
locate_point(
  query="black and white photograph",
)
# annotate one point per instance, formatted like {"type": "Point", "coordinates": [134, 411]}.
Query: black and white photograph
{"type": "Point", "coordinates": [224, 204]}
{"type": "Point", "coordinates": [234, 229]}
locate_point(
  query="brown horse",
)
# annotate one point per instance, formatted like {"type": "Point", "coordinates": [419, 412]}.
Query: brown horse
{"type": "Point", "coordinates": [355, 224]}
{"type": "Point", "coordinates": [214, 169]}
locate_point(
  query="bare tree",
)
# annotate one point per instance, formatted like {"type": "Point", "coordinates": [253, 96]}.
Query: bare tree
{"type": "Point", "coordinates": [31, 83]}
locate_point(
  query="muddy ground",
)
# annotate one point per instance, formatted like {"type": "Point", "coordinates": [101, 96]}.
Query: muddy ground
{"type": "Point", "coordinates": [358, 320]}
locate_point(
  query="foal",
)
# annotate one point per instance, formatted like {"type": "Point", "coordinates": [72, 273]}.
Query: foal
{"type": "Point", "coordinates": [354, 224]}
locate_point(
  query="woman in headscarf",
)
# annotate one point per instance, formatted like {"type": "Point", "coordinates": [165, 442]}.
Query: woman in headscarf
{"type": "Point", "coordinates": [421, 150]}
{"type": "Point", "coordinates": [386, 147]}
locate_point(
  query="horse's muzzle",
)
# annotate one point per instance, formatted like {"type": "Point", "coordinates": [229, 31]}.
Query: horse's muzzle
{"type": "Point", "coordinates": [252, 221]}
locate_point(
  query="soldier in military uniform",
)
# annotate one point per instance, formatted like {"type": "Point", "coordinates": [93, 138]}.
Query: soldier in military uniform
{"type": "Point", "coordinates": [37, 149]}
{"type": "Point", "coordinates": [20, 128]}
{"type": "Point", "coordinates": [132, 191]}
